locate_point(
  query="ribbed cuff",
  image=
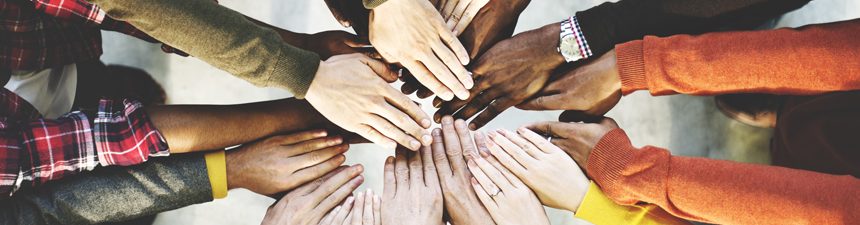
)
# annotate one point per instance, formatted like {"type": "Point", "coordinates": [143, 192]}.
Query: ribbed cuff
{"type": "Point", "coordinates": [608, 160]}
{"type": "Point", "coordinates": [370, 4]}
{"type": "Point", "coordinates": [294, 70]}
{"type": "Point", "coordinates": [216, 167]}
{"type": "Point", "coordinates": [631, 66]}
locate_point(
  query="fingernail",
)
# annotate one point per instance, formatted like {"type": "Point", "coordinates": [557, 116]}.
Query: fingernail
{"type": "Point", "coordinates": [359, 195]}
{"type": "Point", "coordinates": [474, 181]}
{"type": "Point", "coordinates": [414, 144]}
{"type": "Point", "coordinates": [426, 123]}
{"type": "Point", "coordinates": [349, 200]}
{"type": "Point", "coordinates": [437, 117]}
{"type": "Point", "coordinates": [463, 95]}
{"type": "Point", "coordinates": [447, 120]}
{"type": "Point", "coordinates": [473, 126]}
{"type": "Point", "coordinates": [469, 83]}
{"type": "Point", "coordinates": [335, 141]}
{"type": "Point", "coordinates": [336, 209]}
{"type": "Point", "coordinates": [427, 139]}
{"type": "Point", "coordinates": [522, 130]}
{"type": "Point", "coordinates": [484, 154]}
{"type": "Point", "coordinates": [437, 132]}
{"type": "Point", "coordinates": [321, 134]}
{"type": "Point", "coordinates": [446, 95]}
{"type": "Point", "coordinates": [358, 168]}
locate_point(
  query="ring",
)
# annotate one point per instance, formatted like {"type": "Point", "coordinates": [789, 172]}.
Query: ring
{"type": "Point", "coordinates": [497, 193]}
{"type": "Point", "coordinates": [549, 138]}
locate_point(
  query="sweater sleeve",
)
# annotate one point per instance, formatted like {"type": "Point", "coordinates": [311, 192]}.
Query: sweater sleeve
{"type": "Point", "coordinates": [721, 192]}
{"type": "Point", "coordinates": [222, 38]}
{"type": "Point", "coordinates": [804, 61]}
{"type": "Point", "coordinates": [370, 4]}
{"type": "Point", "coordinates": [597, 209]}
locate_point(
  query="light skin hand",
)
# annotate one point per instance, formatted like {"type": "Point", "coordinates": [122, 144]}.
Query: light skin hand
{"type": "Point", "coordinates": [362, 209]}
{"type": "Point", "coordinates": [509, 200]}
{"type": "Point", "coordinates": [449, 146]}
{"type": "Point", "coordinates": [281, 163]}
{"type": "Point", "coordinates": [308, 204]}
{"type": "Point", "coordinates": [409, 198]}
{"type": "Point", "coordinates": [458, 14]}
{"type": "Point", "coordinates": [364, 104]}
{"type": "Point", "coordinates": [412, 33]}
{"type": "Point", "coordinates": [546, 169]}
{"type": "Point", "coordinates": [576, 139]}
{"type": "Point", "coordinates": [509, 73]}
{"type": "Point", "coordinates": [592, 89]}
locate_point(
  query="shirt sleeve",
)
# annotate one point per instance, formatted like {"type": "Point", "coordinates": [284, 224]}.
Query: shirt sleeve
{"type": "Point", "coordinates": [613, 23]}
{"type": "Point", "coordinates": [718, 191]}
{"type": "Point", "coordinates": [598, 209]}
{"type": "Point", "coordinates": [79, 11]}
{"type": "Point", "coordinates": [809, 60]}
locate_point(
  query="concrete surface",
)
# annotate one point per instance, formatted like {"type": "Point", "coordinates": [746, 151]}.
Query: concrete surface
{"type": "Point", "coordinates": [687, 125]}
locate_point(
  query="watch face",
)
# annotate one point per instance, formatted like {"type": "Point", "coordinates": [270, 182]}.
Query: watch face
{"type": "Point", "coordinates": [569, 48]}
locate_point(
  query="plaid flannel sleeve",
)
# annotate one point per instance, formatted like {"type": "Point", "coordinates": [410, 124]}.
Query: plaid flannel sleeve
{"type": "Point", "coordinates": [81, 11]}
{"type": "Point", "coordinates": [36, 151]}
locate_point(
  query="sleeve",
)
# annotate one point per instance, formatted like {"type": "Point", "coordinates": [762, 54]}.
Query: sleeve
{"type": "Point", "coordinates": [79, 11]}
{"type": "Point", "coordinates": [598, 209]}
{"type": "Point", "coordinates": [804, 61]}
{"type": "Point", "coordinates": [721, 192]}
{"type": "Point", "coordinates": [370, 4]}
{"type": "Point", "coordinates": [113, 194]}
{"type": "Point", "coordinates": [222, 38]}
{"type": "Point", "coordinates": [613, 23]}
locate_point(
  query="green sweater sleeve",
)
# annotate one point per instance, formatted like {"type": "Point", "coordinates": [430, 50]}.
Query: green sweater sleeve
{"type": "Point", "coordinates": [370, 4]}
{"type": "Point", "coordinates": [222, 38]}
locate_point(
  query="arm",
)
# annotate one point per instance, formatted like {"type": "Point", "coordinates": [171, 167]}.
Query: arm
{"type": "Point", "coordinates": [803, 61]}
{"type": "Point", "coordinates": [231, 42]}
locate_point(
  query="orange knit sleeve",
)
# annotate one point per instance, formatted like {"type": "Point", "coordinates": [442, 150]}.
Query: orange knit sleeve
{"type": "Point", "coordinates": [718, 191]}
{"type": "Point", "coordinates": [803, 61]}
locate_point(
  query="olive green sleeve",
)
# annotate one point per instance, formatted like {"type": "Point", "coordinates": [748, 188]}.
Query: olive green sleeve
{"type": "Point", "coordinates": [222, 38]}
{"type": "Point", "coordinates": [370, 4]}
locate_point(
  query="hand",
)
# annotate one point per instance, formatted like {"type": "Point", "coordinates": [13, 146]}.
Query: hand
{"type": "Point", "coordinates": [350, 13]}
{"type": "Point", "coordinates": [409, 199]}
{"type": "Point", "coordinates": [307, 204]}
{"type": "Point", "coordinates": [545, 168]}
{"type": "Point", "coordinates": [592, 89]}
{"type": "Point", "coordinates": [413, 33]}
{"type": "Point", "coordinates": [509, 73]}
{"type": "Point", "coordinates": [363, 209]}
{"type": "Point", "coordinates": [281, 163]}
{"type": "Point", "coordinates": [461, 202]}
{"type": "Point", "coordinates": [459, 13]}
{"type": "Point", "coordinates": [363, 103]}
{"type": "Point", "coordinates": [577, 139]}
{"type": "Point", "coordinates": [509, 201]}
{"type": "Point", "coordinates": [335, 42]}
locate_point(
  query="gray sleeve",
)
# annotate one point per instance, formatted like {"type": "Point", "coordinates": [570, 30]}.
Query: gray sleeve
{"type": "Point", "coordinates": [112, 194]}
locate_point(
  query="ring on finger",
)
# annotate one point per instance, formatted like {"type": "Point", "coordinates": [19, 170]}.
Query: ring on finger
{"type": "Point", "coordinates": [498, 191]}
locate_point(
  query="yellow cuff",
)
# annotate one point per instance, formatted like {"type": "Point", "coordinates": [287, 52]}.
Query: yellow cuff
{"type": "Point", "coordinates": [599, 209]}
{"type": "Point", "coordinates": [216, 165]}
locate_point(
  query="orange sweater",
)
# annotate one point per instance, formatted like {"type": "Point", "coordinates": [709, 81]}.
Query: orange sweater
{"type": "Point", "coordinates": [718, 191]}
{"type": "Point", "coordinates": [804, 61]}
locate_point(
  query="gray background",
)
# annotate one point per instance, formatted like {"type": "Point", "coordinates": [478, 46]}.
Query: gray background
{"type": "Point", "coordinates": [687, 125]}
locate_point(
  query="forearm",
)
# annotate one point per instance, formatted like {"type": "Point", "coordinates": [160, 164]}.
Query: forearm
{"type": "Point", "coordinates": [113, 194]}
{"type": "Point", "coordinates": [809, 60]}
{"type": "Point", "coordinates": [721, 192]}
{"type": "Point", "coordinates": [189, 128]}
{"type": "Point", "coordinates": [609, 24]}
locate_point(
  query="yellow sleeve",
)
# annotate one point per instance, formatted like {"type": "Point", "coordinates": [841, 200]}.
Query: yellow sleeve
{"type": "Point", "coordinates": [600, 210]}
{"type": "Point", "coordinates": [216, 165]}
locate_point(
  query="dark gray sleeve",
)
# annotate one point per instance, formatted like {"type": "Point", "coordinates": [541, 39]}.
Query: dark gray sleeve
{"type": "Point", "coordinates": [112, 194]}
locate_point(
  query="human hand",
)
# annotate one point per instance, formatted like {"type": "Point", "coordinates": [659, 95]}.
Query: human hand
{"type": "Point", "coordinates": [509, 73]}
{"type": "Point", "coordinates": [449, 145]}
{"type": "Point", "coordinates": [363, 103]}
{"type": "Point", "coordinates": [281, 163]}
{"type": "Point", "coordinates": [350, 13]}
{"type": "Point", "coordinates": [335, 42]}
{"type": "Point", "coordinates": [592, 89]}
{"type": "Point", "coordinates": [577, 139]}
{"type": "Point", "coordinates": [546, 169]}
{"type": "Point", "coordinates": [363, 209]}
{"type": "Point", "coordinates": [509, 201]}
{"type": "Point", "coordinates": [307, 204]}
{"type": "Point", "coordinates": [409, 199]}
{"type": "Point", "coordinates": [412, 33]}
{"type": "Point", "coordinates": [458, 14]}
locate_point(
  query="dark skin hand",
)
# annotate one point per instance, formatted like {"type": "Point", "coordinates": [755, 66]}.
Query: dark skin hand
{"type": "Point", "coordinates": [577, 139]}
{"type": "Point", "coordinates": [326, 43]}
{"type": "Point", "coordinates": [509, 73]}
{"type": "Point", "coordinates": [494, 23]}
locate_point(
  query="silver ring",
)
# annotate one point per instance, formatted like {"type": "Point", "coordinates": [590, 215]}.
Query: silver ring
{"type": "Point", "coordinates": [498, 191]}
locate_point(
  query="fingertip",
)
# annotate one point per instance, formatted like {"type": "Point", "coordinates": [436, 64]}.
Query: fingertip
{"type": "Point", "coordinates": [473, 126]}
{"type": "Point", "coordinates": [426, 123]}
{"type": "Point", "coordinates": [446, 95]}
{"type": "Point", "coordinates": [427, 139]}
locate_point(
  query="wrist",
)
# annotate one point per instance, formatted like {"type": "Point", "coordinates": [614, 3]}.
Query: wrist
{"type": "Point", "coordinates": [549, 42]}
{"type": "Point", "coordinates": [234, 178]}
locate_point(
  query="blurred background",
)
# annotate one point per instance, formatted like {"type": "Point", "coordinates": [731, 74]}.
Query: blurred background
{"type": "Point", "coordinates": [687, 125]}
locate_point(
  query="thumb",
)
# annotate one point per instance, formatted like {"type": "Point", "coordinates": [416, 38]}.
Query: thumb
{"type": "Point", "coordinates": [552, 128]}
{"type": "Point", "coordinates": [547, 102]}
{"type": "Point", "coordinates": [381, 69]}
{"type": "Point", "coordinates": [580, 116]}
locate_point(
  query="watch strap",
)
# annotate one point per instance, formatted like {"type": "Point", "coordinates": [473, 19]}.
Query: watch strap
{"type": "Point", "coordinates": [572, 43]}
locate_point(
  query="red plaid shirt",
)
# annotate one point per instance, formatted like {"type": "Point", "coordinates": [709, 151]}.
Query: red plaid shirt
{"type": "Point", "coordinates": [34, 150]}
{"type": "Point", "coordinates": [40, 34]}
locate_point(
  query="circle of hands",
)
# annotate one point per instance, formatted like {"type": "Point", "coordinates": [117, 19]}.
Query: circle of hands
{"type": "Point", "coordinates": [451, 174]}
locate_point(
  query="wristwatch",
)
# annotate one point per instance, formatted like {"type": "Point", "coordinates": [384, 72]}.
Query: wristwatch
{"type": "Point", "coordinates": [572, 44]}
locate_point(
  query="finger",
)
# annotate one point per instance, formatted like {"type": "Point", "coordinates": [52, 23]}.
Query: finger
{"type": "Point", "coordinates": [410, 108]}
{"type": "Point", "coordinates": [452, 145]}
{"type": "Point", "coordinates": [481, 143]}
{"type": "Point", "coordinates": [407, 133]}
{"type": "Point", "coordinates": [373, 135]}
{"type": "Point", "coordinates": [469, 15]}
{"type": "Point", "coordinates": [339, 194]}
{"type": "Point", "coordinates": [454, 45]}
{"type": "Point", "coordinates": [458, 12]}
{"type": "Point", "coordinates": [494, 174]}
{"type": "Point", "coordinates": [549, 128]}
{"type": "Point", "coordinates": [439, 155]}
{"type": "Point", "coordinates": [518, 153]}
{"type": "Point", "coordinates": [426, 78]}
{"type": "Point", "coordinates": [380, 68]}
{"type": "Point", "coordinates": [423, 92]}
{"type": "Point", "coordinates": [377, 210]}
{"type": "Point", "coordinates": [313, 145]}
{"type": "Point", "coordinates": [478, 104]}
{"type": "Point", "coordinates": [547, 102]}
{"type": "Point", "coordinates": [401, 170]}
{"type": "Point", "coordinates": [329, 217]}
{"type": "Point", "coordinates": [309, 187]}
{"type": "Point", "coordinates": [319, 156]}
{"type": "Point", "coordinates": [530, 149]}
{"type": "Point", "coordinates": [358, 209]}
{"type": "Point", "coordinates": [491, 112]}
{"type": "Point", "coordinates": [367, 218]}
{"type": "Point", "coordinates": [485, 198]}
{"type": "Point", "coordinates": [510, 177]}
{"type": "Point", "coordinates": [542, 143]}
{"type": "Point", "coordinates": [448, 8]}
{"type": "Point", "coordinates": [444, 74]}
{"type": "Point", "coordinates": [416, 170]}
{"type": "Point", "coordinates": [465, 137]}
{"type": "Point", "coordinates": [486, 183]}
{"type": "Point", "coordinates": [494, 151]}
{"type": "Point", "coordinates": [335, 183]}
{"type": "Point", "coordinates": [408, 88]}
{"type": "Point", "coordinates": [453, 63]}
{"type": "Point", "coordinates": [389, 179]}
{"type": "Point", "coordinates": [340, 217]}
{"type": "Point", "coordinates": [298, 137]}
{"type": "Point", "coordinates": [315, 171]}
{"type": "Point", "coordinates": [431, 178]}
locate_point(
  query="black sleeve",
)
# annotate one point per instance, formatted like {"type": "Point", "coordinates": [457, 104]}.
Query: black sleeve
{"type": "Point", "coordinates": [609, 24]}
{"type": "Point", "coordinates": [113, 194]}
